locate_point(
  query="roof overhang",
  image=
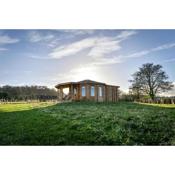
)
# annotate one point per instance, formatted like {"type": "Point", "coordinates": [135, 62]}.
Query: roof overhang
{"type": "Point", "coordinates": [67, 84]}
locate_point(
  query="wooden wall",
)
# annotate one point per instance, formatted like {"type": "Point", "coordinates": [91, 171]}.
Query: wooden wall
{"type": "Point", "coordinates": [109, 93]}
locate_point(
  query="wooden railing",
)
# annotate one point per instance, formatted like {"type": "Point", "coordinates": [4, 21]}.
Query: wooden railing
{"type": "Point", "coordinates": [67, 97]}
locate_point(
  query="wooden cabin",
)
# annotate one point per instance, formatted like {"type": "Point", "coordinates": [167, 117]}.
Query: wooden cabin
{"type": "Point", "coordinates": [87, 90]}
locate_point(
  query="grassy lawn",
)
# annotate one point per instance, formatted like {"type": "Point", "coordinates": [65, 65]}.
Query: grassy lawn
{"type": "Point", "coordinates": [87, 123]}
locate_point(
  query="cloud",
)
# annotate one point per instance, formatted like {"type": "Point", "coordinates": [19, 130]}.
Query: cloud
{"type": "Point", "coordinates": [36, 36]}
{"type": "Point", "coordinates": [73, 48]}
{"type": "Point", "coordinates": [105, 61]}
{"type": "Point", "coordinates": [108, 45]}
{"type": "Point", "coordinates": [163, 47]}
{"type": "Point", "coordinates": [5, 39]}
{"type": "Point", "coordinates": [68, 34]}
{"type": "Point", "coordinates": [146, 52]}
{"type": "Point", "coordinates": [138, 54]}
{"type": "Point", "coordinates": [104, 45]}
{"type": "Point", "coordinates": [37, 57]}
{"type": "Point", "coordinates": [76, 32]}
{"type": "Point", "coordinates": [3, 49]}
{"type": "Point", "coordinates": [99, 46]}
{"type": "Point", "coordinates": [169, 60]}
{"type": "Point", "coordinates": [54, 42]}
{"type": "Point", "coordinates": [125, 34]}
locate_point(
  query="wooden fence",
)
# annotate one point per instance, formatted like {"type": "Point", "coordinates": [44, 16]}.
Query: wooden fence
{"type": "Point", "coordinates": [160, 100]}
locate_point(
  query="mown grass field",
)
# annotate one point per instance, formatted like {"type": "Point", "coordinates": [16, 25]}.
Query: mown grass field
{"type": "Point", "coordinates": [87, 123]}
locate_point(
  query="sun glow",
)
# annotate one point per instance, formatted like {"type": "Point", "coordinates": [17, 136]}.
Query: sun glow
{"type": "Point", "coordinates": [83, 73]}
{"type": "Point", "coordinates": [66, 91]}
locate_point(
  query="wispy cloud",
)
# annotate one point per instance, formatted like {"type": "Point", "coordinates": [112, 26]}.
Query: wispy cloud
{"type": "Point", "coordinates": [3, 49]}
{"type": "Point", "coordinates": [5, 39]}
{"type": "Point", "coordinates": [103, 46]}
{"type": "Point", "coordinates": [68, 34]}
{"type": "Point", "coordinates": [125, 34]}
{"type": "Point", "coordinates": [73, 48]}
{"type": "Point", "coordinates": [155, 49]}
{"type": "Point", "coordinates": [106, 61]}
{"type": "Point", "coordinates": [38, 57]}
{"type": "Point", "coordinates": [99, 46]}
{"type": "Point", "coordinates": [169, 60]}
{"type": "Point", "coordinates": [163, 47]}
{"type": "Point", "coordinates": [36, 36]}
{"type": "Point", "coordinates": [79, 32]}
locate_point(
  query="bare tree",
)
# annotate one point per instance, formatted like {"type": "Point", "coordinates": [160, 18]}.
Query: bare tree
{"type": "Point", "coordinates": [150, 79]}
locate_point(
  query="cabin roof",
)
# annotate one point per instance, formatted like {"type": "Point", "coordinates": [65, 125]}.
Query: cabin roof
{"type": "Point", "coordinates": [90, 82]}
{"type": "Point", "coordinates": [81, 82]}
{"type": "Point", "coordinates": [65, 84]}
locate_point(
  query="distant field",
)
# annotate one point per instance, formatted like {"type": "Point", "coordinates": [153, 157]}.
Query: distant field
{"type": "Point", "coordinates": [87, 123]}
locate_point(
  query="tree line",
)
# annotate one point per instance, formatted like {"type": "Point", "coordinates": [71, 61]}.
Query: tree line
{"type": "Point", "coordinates": [24, 93]}
{"type": "Point", "coordinates": [146, 85]}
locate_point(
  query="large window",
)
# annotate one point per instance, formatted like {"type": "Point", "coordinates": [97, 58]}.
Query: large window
{"type": "Point", "coordinates": [92, 91]}
{"type": "Point", "coordinates": [100, 91]}
{"type": "Point", "coordinates": [75, 91]}
{"type": "Point", "coordinates": [83, 91]}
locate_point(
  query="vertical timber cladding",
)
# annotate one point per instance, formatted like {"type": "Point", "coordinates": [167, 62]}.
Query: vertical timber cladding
{"type": "Point", "coordinates": [71, 90]}
{"type": "Point", "coordinates": [87, 91]}
{"type": "Point", "coordinates": [75, 92]}
{"type": "Point", "coordinates": [78, 92]}
{"type": "Point", "coordinates": [111, 93]}
{"type": "Point", "coordinates": [88, 95]}
{"type": "Point", "coordinates": [96, 92]}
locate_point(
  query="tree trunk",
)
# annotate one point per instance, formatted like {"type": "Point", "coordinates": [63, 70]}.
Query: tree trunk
{"type": "Point", "coordinates": [152, 96]}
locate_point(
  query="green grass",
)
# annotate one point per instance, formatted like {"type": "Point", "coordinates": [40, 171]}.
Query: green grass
{"type": "Point", "coordinates": [87, 123]}
{"type": "Point", "coordinates": [10, 107]}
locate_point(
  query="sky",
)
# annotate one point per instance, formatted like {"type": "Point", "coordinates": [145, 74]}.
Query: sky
{"type": "Point", "coordinates": [49, 57]}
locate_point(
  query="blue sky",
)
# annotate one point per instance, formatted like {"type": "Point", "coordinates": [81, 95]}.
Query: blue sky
{"type": "Point", "coordinates": [48, 57]}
